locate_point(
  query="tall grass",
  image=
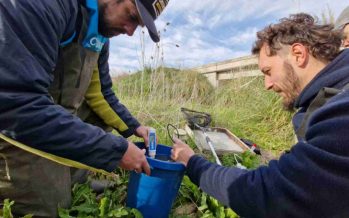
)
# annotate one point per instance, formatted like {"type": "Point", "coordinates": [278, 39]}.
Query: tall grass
{"type": "Point", "coordinates": [241, 105]}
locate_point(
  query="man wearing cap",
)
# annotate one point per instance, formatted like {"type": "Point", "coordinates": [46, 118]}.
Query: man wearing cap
{"type": "Point", "coordinates": [54, 79]}
{"type": "Point", "coordinates": [342, 24]}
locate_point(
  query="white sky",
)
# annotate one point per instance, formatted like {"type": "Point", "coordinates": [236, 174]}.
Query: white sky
{"type": "Point", "coordinates": [207, 31]}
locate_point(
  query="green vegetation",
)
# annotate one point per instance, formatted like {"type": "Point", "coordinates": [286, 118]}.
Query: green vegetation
{"type": "Point", "coordinates": [6, 212]}
{"type": "Point", "coordinates": [6, 209]}
{"type": "Point", "coordinates": [86, 203]}
{"type": "Point", "coordinates": [242, 106]}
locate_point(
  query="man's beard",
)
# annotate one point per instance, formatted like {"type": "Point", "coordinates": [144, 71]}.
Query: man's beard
{"type": "Point", "coordinates": [104, 26]}
{"type": "Point", "coordinates": [291, 87]}
{"type": "Point", "coordinates": [102, 23]}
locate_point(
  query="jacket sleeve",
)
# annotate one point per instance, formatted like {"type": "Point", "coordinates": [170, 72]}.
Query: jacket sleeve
{"type": "Point", "coordinates": [102, 100]}
{"type": "Point", "coordinates": [310, 181]}
{"type": "Point", "coordinates": [30, 32]}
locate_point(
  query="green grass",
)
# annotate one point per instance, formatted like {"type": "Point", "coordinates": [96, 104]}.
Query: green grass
{"type": "Point", "coordinates": [241, 105]}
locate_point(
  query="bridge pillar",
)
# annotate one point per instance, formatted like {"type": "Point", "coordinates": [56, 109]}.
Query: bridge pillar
{"type": "Point", "coordinates": [212, 78]}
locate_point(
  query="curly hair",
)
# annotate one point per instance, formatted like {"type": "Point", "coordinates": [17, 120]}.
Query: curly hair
{"type": "Point", "coordinates": [322, 41]}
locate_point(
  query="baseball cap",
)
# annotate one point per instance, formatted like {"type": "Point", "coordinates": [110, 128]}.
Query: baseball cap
{"type": "Point", "coordinates": [149, 10]}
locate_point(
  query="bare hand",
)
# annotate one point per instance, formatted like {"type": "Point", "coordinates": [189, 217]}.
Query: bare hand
{"type": "Point", "coordinates": [134, 159]}
{"type": "Point", "coordinates": [181, 152]}
{"type": "Point", "coordinates": [143, 132]}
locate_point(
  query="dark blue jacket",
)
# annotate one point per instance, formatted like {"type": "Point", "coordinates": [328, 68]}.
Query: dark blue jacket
{"type": "Point", "coordinates": [310, 181]}
{"type": "Point", "coordinates": [30, 35]}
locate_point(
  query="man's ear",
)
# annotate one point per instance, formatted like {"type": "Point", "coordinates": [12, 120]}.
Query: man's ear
{"type": "Point", "coordinates": [299, 54]}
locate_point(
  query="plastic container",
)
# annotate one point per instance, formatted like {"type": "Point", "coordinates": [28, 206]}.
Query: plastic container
{"type": "Point", "coordinates": [154, 195]}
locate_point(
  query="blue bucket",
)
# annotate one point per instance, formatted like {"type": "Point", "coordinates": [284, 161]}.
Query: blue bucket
{"type": "Point", "coordinates": [154, 195]}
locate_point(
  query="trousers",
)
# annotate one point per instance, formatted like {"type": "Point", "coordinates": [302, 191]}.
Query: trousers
{"type": "Point", "coordinates": [37, 185]}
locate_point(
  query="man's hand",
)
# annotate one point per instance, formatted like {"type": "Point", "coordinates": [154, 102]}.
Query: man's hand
{"type": "Point", "coordinates": [134, 159]}
{"type": "Point", "coordinates": [143, 132]}
{"type": "Point", "coordinates": [181, 152]}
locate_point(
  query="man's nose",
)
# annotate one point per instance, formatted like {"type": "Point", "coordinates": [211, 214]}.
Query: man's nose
{"type": "Point", "coordinates": [130, 29]}
{"type": "Point", "coordinates": [268, 84]}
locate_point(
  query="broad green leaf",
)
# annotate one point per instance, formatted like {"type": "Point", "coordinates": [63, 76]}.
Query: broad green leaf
{"type": "Point", "coordinates": [136, 213]}
{"type": "Point", "coordinates": [118, 212]}
{"type": "Point", "coordinates": [6, 210]}
{"type": "Point", "coordinates": [103, 207]}
{"type": "Point", "coordinates": [229, 213]}
{"type": "Point", "coordinates": [64, 213]}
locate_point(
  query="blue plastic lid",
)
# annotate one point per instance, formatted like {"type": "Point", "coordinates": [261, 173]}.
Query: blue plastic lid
{"type": "Point", "coordinates": [162, 159]}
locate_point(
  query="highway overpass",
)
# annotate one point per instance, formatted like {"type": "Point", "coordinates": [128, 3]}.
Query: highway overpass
{"type": "Point", "coordinates": [230, 69]}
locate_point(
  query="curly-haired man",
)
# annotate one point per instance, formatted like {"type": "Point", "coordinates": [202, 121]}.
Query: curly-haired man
{"type": "Point", "coordinates": [300, 60]}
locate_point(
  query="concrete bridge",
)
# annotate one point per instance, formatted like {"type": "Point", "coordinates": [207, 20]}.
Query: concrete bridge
{"type": "Point", "coordinates": [217, 73]}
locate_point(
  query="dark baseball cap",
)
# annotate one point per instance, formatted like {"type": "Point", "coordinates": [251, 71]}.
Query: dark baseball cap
{"type": "Point", "coordinates": [149, 10]}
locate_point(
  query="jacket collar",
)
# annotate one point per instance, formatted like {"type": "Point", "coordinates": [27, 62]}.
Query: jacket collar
{"type": "Point", "coordinates": [334, 75]}
{"type": "Point", "coordinates": [93, 40]}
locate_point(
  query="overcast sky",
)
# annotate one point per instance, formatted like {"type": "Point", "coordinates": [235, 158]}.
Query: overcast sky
{"type": "Point", "coordinates": [207, 31]}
